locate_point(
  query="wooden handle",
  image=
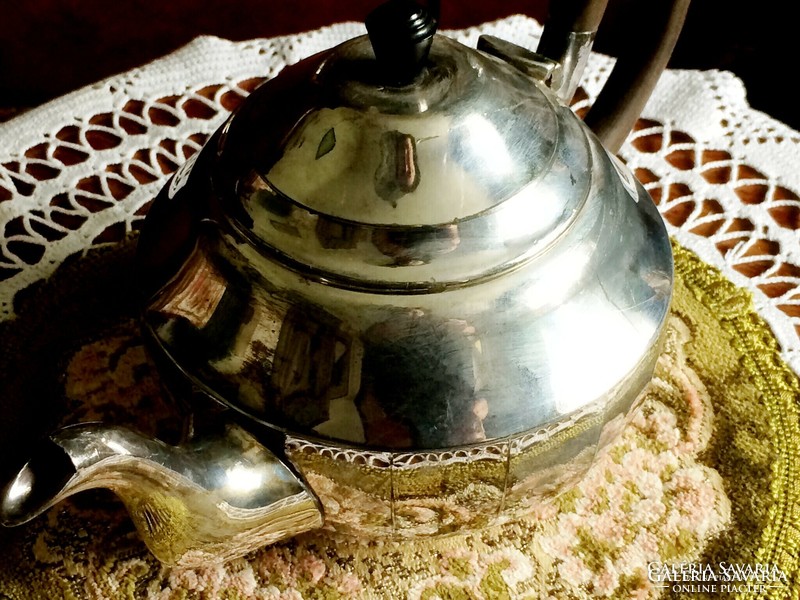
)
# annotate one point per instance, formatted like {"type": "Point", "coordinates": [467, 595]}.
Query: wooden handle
{"type": "Point", "coordinates": [636, 73]}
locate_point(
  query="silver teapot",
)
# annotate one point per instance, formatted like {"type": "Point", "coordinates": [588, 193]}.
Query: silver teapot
{"type": "Point", "coordinates": [402, 291]}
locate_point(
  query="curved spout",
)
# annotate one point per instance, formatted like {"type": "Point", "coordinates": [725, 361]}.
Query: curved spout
{"type": "Point", "coordinates": [210, 500]}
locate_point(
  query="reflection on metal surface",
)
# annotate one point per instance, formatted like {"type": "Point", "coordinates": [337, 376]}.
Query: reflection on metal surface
{"type": "Point", "coordinates": [437, 406]}
{"type": "Point", "coordinates": [600, 371]}
{"type": "Point", "coordinates": [354, 487]}
{"type": "Point", "coordinates": [198, 292]}
{"type": "Point", "coordinates": [484, 141]}
{"type": "Point", "coordinates": [407, 494]}
{"type": "Point", "coordinates": [202, 502]}
{"type": "Point", "coordinates": [435, 139]}
{"type": "Point", "coordinates": [398, 171]}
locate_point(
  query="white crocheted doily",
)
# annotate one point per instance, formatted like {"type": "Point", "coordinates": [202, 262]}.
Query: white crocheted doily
{"type": "Point", "coordinates": [79, 172]}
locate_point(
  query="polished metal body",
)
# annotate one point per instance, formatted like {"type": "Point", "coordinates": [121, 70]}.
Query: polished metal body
{"type": "Point", "coordinates": [519, 279]}
{"type": "Point", "coordinates": [433, 299]}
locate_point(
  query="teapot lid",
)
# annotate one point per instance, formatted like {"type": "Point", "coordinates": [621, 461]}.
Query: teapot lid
{"type": "Point", "coordinates": [464, 170]}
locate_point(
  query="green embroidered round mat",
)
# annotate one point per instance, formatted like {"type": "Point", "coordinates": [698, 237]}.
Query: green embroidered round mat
{"type": "Point", "coordinates": [698, 498]}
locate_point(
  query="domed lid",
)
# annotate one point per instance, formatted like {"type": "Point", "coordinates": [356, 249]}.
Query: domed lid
{"type": "Point", "coordinates": [460, 171]}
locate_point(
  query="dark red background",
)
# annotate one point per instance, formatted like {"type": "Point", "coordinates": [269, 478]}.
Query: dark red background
{"type": "Point", "coordinates": [48, 47]}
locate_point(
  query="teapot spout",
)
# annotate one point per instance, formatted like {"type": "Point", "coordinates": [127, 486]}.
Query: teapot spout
{"type": "Point", "coordinates": [209, 500]}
